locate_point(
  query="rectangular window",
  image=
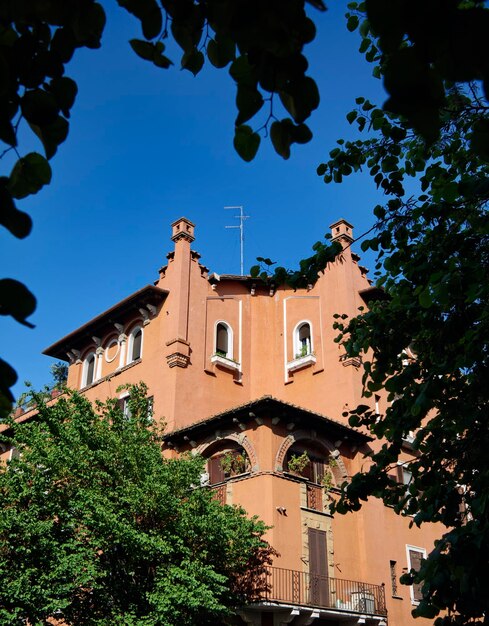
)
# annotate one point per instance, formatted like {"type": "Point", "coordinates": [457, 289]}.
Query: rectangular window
{"type": "Point", "coordinates": [414, 558]}
{"type": "Point", "coordinates": [123, 404]}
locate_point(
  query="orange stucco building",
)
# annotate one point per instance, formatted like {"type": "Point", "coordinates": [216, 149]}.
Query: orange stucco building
{"type": "Point", "coordinates": [250, 377]}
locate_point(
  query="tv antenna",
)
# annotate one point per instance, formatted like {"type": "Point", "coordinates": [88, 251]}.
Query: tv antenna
{"type": "Point", "coordinates": [241, 217]}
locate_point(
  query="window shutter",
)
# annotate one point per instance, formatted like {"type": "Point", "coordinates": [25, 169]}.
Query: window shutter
{"type": "Point", "coordinates": [415, 558]}
{"type": "Point", "coordinates": [318, 468]}
{"type": "Point", "coordinates": [216, 474]}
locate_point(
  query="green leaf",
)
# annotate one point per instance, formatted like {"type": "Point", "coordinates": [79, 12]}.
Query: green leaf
{"type": "Point", "coordinates": [254, 271]}
{"type": "Point", "coordinates": [152, 21]}
{"type": "Point", "coordinates": [39, 107]}
{"type": "Point", "coordinates": [221, 51]}
{"type": "Point", "coordinates": [300, 98]}
{"type": "Point", "coordinates": [144, 49]}
{"type": "Point", "coordinates": [52, 135]}
{"type": "Point", "coordinates": [8, 378]}
{"type": "Point", "coordinates": [64, 90]}
{"type": "Point", "coordinates": [242, 72]}
{"type": "Point", "coordinates": [17, 222]}
{"type": "Point", "coordinates": [249, 101]}
{"type": "Point", "coordinates": [301, 134]}
{"type": "Point", "coordinates": [29, 175]}
{"type": "Point", "coordinates": [7, 132]}
{"type": "Point", "coordinates": [16, 300]}
{"type": "Point", "coordinates": [281, 137]}
{"type": "Point", "coordinates": [246, 142]}
{"type": "Point", "coordinates": [193, 61]}
{"type": "Point", "coordinates": [151, 52]}
{"type": "Point", "coordinates": [352, 23]}
{"type": "Point", "coordinates": [425, 299]}
{"type": "Point", "coordinates": [88, 25]}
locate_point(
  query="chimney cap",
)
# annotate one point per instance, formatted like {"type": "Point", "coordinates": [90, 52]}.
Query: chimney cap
{"type": "Point", "coordinates": [342, 230]}
{"type": "Point", "coordinates": [183, 229]}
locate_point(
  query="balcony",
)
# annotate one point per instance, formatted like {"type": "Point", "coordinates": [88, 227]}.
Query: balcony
{"type": "Point", "coordinates": [291, 587]}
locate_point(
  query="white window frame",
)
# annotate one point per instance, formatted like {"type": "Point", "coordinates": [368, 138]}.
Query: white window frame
{"type": "Point", "coordinates": [124, 398]}
{"type": "Point", "coordinates": [408, 560]}
{"type": "Point", "coordinates": [296, 341]}
{"type": "Point", "coordinates": [130, 344]}
{"type": "Point", "coordinates": [85, 383]}
{"type": "Point", "coordinates": [230, 352]}
{"type": "Point", "coordinates": [298, 361]}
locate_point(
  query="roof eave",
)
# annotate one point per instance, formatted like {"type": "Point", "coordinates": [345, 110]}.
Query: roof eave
{"type": "Point", "coordinates": [147, 295]}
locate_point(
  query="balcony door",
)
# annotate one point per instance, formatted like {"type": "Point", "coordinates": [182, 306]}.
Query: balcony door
{"type": "Point", "coordinates": [318, 568]}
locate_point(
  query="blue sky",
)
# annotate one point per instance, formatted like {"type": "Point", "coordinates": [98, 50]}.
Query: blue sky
{"type": "Point", "coordinates": [147, 146]}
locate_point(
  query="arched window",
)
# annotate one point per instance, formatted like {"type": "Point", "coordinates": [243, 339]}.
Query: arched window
{"type": "Point", "coordinates": [88, 370]}
{"type": "Point", "coordinates": [308, 461]}
{"type": "Point", "coordinates": [224, 340]}
{"type": "Point", "coordinates": [135, 346]}
{"type": "Point", "coordinates": [302, 340]}
{"type": "Point", "coordinates": [229, 460]}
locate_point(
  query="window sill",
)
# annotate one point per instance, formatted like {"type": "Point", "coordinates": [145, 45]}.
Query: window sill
{"type": "Point", "coordinates": [324, 512]}
{"type": "Point", "coordinates": [303, 361]}
{"type": "Point", "coordinates": [225, 362]}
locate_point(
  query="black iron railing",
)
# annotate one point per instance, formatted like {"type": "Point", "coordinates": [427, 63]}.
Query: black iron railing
{"type": "Point", "coordinates": [302, 588]}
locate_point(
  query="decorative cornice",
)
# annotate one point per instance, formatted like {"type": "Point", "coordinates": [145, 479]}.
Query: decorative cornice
{"type": "Point", "coordinates": [177, 359]}
{"type": "Point", "coordinates": [356, 361]}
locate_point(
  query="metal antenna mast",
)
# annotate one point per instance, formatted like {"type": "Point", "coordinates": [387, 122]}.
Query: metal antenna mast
{"type": "Point", "coordinates": [241, 217]}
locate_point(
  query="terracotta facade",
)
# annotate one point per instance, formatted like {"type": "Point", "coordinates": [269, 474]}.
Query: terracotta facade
{"type": "Point", "coordinates": [250, 377]}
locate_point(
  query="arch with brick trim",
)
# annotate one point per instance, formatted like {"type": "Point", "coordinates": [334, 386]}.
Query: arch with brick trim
{"type": "Point", "coordinates": [339, 471]}
{"type": "Point", "coordinates": [240, 439]}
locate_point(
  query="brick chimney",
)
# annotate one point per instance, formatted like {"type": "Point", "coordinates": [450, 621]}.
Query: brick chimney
{"type": "Point", "coordinates": [182, 229]}
{"type": "Point", "coordinates": [178, 346]}
{"type": "Point", "coordinates": [342, 231]}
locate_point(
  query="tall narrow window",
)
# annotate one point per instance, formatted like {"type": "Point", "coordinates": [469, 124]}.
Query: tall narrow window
{"type": "Point", "coordinates": [302, 340]}
{"type": "Point", "coordinates": [89, 370]}
{"type": "Point", "coordinates": [415, 556]}
{"type": "Point", "coordinates": [223, 341]}
{"type": "Point", "coordinates": [135, 347]}
{"type": "Point", "coordinates": [136, 344]}
{"type": "Point", "coordinates": [393, 571]}
{"type": "Point", "coordinates": [123, 404]}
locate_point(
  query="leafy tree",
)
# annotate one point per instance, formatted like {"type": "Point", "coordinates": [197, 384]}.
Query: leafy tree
{"type": "Point", "coordinates": [96, 527]}
{"type": "Point", "coordinates": [424, 47]}
{"type": "Point", "coordinates": [59, 373]}
{"type": "Point", "coordinates": [426, 340]}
